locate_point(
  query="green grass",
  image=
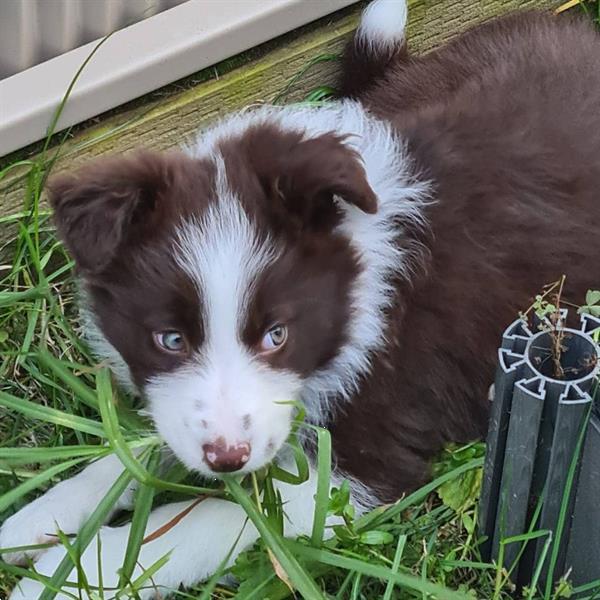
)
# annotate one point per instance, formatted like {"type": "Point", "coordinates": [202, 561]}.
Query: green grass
{"type": "Point", "coordinates": [59, 410]}
{"type": "Point", "coordinates": [591, 9]}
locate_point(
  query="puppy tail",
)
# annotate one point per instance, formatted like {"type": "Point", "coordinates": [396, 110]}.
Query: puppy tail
{"type": "Point", "coordinates": [378, 41]}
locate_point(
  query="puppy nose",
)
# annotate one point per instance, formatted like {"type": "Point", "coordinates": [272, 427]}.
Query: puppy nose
{"type": "Point", "coordinates": [223, 458]}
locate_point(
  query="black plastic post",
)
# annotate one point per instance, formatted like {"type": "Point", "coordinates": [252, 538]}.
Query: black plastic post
{"type": "Point", "coordinates": [539, 420]}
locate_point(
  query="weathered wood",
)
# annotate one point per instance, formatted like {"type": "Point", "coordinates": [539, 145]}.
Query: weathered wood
{"type": "Point", "coordinates": [165, 124]}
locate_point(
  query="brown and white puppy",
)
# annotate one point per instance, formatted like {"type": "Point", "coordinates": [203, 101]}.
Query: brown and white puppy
{"type": "Point", "coordinates": [361, 257]}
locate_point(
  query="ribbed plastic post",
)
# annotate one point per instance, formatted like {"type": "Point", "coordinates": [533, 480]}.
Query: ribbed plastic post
{"type": "Point", "coordinates": [539, 418]}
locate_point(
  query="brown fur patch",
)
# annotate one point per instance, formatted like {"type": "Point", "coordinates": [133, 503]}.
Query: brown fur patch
{"type": "Point", "coordinates": [506, 121]}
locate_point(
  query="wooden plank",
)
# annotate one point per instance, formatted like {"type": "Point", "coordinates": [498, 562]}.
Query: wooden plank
{"type": "Point", "coordinates": [169, 123]}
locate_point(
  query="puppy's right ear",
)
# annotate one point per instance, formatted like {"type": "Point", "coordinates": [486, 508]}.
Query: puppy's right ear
{"type": "Point", "coordinates": [98, 209]}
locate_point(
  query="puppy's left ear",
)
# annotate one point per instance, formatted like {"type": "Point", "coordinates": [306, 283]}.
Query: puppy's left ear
{"type": "Point", "coordinates": [318, 169]}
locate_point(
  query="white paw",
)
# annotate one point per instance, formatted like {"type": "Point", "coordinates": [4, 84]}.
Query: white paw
{"type": "Point", "coordinates": [181, 547]}
{"type": "Point", "coordinates": [27, 589]}
{"type": "Point", "coordinates": [114, 542]}
{"type": "Point", "coordinates": [66, 507]}
{"type": "Point", "coordinates": [37, 523]}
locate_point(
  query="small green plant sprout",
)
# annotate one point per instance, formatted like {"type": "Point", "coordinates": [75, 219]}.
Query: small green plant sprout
{"type": "Point", "coordinates": [546, 304]}
{"type": "Point", "coordinates": [462, 492]}
{"type": "Point", "coordinates": [547, 310]}
{"type": "Point", "coordinates": [592, 304]}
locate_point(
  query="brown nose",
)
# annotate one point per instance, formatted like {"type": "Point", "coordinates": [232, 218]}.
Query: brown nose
{"type": "Point", "coordinates": [223, 458]}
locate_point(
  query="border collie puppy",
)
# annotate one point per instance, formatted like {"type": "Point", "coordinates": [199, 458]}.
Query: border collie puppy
{"type": "Point", "coordinates": [361, 257]}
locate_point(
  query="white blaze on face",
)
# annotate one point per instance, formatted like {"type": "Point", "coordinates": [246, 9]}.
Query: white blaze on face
{"type": "Point", "coordinates": [223, 392]}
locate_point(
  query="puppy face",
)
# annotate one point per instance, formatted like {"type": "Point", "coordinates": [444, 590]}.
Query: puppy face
{"type": "Point", "coordinates": [220, 280]}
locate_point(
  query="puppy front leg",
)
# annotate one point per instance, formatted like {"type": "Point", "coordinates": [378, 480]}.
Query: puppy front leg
{"type": "Point", "coordinates": [197, 544]}
{"type": "Point", "coordinates": [66, 506]}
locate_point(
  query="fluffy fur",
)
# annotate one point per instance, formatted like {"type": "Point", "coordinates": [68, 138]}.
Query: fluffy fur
{"type": "Point", "coordinates": [375, 237]}
{"type": "Point", "coordinates": [395, 233]}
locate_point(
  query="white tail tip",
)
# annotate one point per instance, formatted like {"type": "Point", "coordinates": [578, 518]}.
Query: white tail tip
{"type": "Point", "coordinates": [382, 25]}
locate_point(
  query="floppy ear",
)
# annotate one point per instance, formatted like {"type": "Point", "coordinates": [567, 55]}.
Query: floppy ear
{"type": "Point", "coordinates": [316, 170]}
{"type": "Point", "coordinates": [97, 208]}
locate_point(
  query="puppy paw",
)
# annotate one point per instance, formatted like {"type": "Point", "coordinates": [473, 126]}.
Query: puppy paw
{"type": "Point", "coordinates": [65, 507]}
{"type": "Point", "coordinates": [28, 589]}
{"type": "Point", "coordinates": [109, 560]}
{"type": "Point", "coordinates": [36, 523]}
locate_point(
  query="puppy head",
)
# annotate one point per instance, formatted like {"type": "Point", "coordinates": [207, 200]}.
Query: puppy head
{"type": "Point", "coordinates": [220, 280]}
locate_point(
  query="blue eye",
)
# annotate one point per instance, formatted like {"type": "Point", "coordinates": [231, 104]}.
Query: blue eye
{"type": "Point", "coordinates": [171, 341]}
{"type": "Point", "coordinates": [274, 338]}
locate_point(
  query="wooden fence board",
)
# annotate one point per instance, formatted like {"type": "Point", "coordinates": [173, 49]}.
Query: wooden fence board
{"type": "Point", "coordinates": [168, 123]}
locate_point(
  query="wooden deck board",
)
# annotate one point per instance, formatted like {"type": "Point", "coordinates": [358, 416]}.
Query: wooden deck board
{"type": "Point", "coordinates": [169, 123]}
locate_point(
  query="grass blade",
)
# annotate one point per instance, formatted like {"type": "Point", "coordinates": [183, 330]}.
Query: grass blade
{"type": "Point", "coordinates": [379, 515]}
{"type": "Point", "coordinates": [562, 516]}
{"type": "Point", "coordinates": [86, 534]}
{"type": "Point", "coordinates": [9, 498]}
{"type": "Point", "coordinates": [37, 455]}
{"type": "Point", "coordinates": [323, 481]}
{"type": "Point", "coordinates": [84, 392]}
{"type": "Point", "coordinates": [148, 573]}
{"type": "Point", "coordinates": [301, 465]}
{"type": "Point", "coordinates": [379, 572]}
{"type": "Point", "coordinates": [12, 298]}
{"type": "Point", "coordinates": [79, 388]}
{"type": "Point", "coordinates": [19, 456]}
{"type": "Point", "coordinates": [50, 415]}
{"type": "Point", "coordinates": [395, 566]}
{"type": "Point", "coordinates": [142, 508]}
{"type": "Point", "coordinates": [302, 581]}
{"type": "Point", "coordinates": [538, 569]}
{"type": "Point", "coordinates": [210, 585]}
{"type": "Point", "coordinates": [24, 573]}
